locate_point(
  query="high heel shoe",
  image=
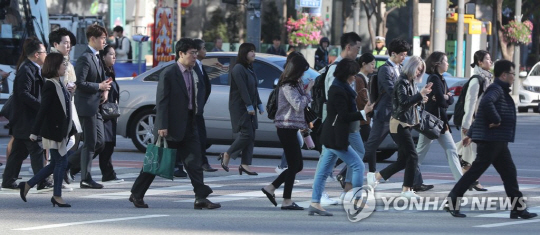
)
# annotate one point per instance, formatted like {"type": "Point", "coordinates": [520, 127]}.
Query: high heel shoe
{"type": "Point", "coordinates": [242, 169]}
{"type": "Point", "coordinates": [54, 203]}
{"type": "Point", "coordinates": [475, 187]}
{"type": "Point", "coordinates": [220, 158]}
{"type": "Point", "coordinates": [23, 192]}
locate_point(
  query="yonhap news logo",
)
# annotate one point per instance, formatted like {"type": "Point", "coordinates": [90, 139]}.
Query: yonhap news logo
{"type": "Point", "coordinates": [359, 203]}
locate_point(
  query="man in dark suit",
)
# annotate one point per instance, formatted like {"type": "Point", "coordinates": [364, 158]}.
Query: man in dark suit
{"type": "Point", "coordinates": [493, 127]}
{"type": "Point", "coordinates": [92, 90]}
{"type": "Point", "coordinates": [387, 75]}
{"type": "Point", "coordinates": [27, 98]}
{"type": "Point", "coordinates": [176, 106]}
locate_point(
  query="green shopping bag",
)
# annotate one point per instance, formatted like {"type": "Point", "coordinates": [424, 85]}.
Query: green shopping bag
{"type": "Point", "coordinates": [160, 160]}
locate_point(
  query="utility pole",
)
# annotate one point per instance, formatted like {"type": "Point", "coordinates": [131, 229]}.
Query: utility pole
{"type": "Point", "coordinates": [178, 20]}
{"type": "Point", "coordinates": [459, 35]}
{"type": "Point", "coordinates": [356, 16]}
{"type": "Point", "coordinates": [253, 23]}
{"type": "Point", "coordinates": [439, 28]}
{"type": "Point", "coordinates": [517, 56]}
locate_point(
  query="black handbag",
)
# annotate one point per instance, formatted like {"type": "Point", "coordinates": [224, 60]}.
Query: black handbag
{"type": "Point", "coordinates": [429, 126]}
{"type": "Point", "coordinates": [110, 111]}
{"type": "Point", "coordinates": [309, 115]}
{"type": "Point", "coordinates": [7, 109]}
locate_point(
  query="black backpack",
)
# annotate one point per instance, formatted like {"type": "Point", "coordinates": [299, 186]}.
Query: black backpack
{"type": "Point", "coordinates": [374, 95]}
{"type": "Point", "coordinates": [318, 94]}
{"type": "Point", "coordinates": [459, 110]}
{"type": "Point", "coordinates": [272, 103]}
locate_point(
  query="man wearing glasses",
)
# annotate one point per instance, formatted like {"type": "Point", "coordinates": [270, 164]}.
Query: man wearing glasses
{"type": "Point", "coordinates": [493, 127]}
{"type": "Point", "coordinates": [92, 90]}
{"type": "Point", "coordinates": [27, 98]}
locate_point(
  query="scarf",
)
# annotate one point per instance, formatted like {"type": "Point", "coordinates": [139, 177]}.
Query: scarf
{"type": "Point", "coordinates": [484, 74]}
{"type": "Point", "coordinates": [70, 71]}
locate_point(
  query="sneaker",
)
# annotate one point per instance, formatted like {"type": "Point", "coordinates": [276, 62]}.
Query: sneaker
{"type": "Point", "coordinates": [66, 188]}
{"type": "Point", "coordinates": [115, 180]}
{"type": "Point", "coordinates": [341, 198]}
{"type": "Point", "coordinates": [372, 179]}
{"type": "Point", "coordinates": [410, 194]}
{"type": "Point", "coordinates": [279, 169]}
{"type": "Point", "coordinates": [325, 200]}
{"type": "Point", "coordinates": [331, 178]}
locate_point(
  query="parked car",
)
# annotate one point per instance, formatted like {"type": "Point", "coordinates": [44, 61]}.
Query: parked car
{"type": "Point", "coordinates": [529, 91]}
{"type": "Point", "coordinates": [138, 95]}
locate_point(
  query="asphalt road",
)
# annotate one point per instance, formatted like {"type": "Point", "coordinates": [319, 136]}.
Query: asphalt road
{"type": "Point", "coordinates": [245, 210]}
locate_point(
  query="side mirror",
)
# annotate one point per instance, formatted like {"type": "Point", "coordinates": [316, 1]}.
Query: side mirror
{"type": "Point", "coordinates": [522, 74]}
{"type": "Point", "coordinates": [276, 81]}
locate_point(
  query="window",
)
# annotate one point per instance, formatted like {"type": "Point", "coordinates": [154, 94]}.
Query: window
{"type": "Point", "coordinates": [154, 77]}
{"type": "Point", "coordinates": [217, 69]}
{"type": "Point", "coordinates": [266, 74]}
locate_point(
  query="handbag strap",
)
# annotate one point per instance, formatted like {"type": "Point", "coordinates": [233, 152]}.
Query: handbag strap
{"type": "Point", "coordinates": [158, 143]}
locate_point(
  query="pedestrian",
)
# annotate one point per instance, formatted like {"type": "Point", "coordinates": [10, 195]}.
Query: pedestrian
{"type": "Point", "coordinates": [204, 89]}
{"type": "Point", "coordinates": [293, 98]}
{"type": "Point", "coordinates": [26, 103]}
{"type": "Point", "coordinates": [477, 85]}
{"type": "Point", "coordinates": [92, 90]}
{"type": "Point", "coordinates": [54, 124]}
{"type": "Point", "coordinates": [425, 47]}
{"type": "Point", "coordinates": [122, 46]}
{"type": "Point", "coordinates": [176, 106]}
{"type": "Point", "coordinates": [438, 101]}
{"type": "Point", "coordinates": [108, 57]}
{"type": "Point", "coordinates": [387, 75]}
{"type": "Point", "coordinates": [380, 49]}
{"type": "Point", "coordinates": [341, 122]}
{"type": "Point", "coordinates": [321, 55]}
{"type": "Point", "coordinates": [276, 49]}
{"type": "Point", "coordinates": [493, 127]}
{"type": "Point", "coordinates": [218, 43]}
{"type": "Point", "coordinates": [404, 117]}
{"type": "Point", "coordinates": [244, 102]}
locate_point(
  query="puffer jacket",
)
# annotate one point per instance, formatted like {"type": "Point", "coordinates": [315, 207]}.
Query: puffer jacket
{"type": "Point", "coordinates": [404, 99]}
{"type": "Point", "coordinates": [496, 106]}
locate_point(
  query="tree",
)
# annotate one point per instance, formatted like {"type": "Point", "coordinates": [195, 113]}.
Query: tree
{"type": "Point", "coordinates": [374, 8]}
{"type": "Point", "coordinates": [271, 26]}
{"type": "Point", "coordinates": [216, 27]}
{"type": "Point", "coordinates": [236, 22]}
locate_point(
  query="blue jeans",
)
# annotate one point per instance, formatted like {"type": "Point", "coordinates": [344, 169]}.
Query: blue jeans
{"type": "Point", "coordinates": [355, 141]}
{"type": "Point", "coordinates": [57, 167]}
{"type": "Point", "coordinates": [326, 163]}
{"type": "Point", "coordinates": [283, 163]}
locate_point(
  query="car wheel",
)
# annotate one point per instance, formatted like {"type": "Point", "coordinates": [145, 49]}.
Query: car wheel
{"type": "Point", "coordinates": [523, 109]}
{"type": "Point", "coordinates": [141, 130]}
{"type": "Point", "coordinates": [384, 154]}
{"type": "Point", "coordinates": [535, 109]}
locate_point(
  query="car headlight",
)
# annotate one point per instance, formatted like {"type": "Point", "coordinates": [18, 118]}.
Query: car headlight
{"type": "Point", "coordinates": [528, 88]}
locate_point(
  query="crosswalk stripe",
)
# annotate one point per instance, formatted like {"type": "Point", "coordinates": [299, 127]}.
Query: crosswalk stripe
{"type": "Point", "coordinates": [506, 214]}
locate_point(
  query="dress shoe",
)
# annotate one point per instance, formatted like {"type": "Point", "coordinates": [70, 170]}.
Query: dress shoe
{"type": "Point", "coordinates": [312, 211]}
{"type": "Point", "coordinates": [55, 203]}
{"type": "Point", "coordinates": [455, 213]}
{"type": "Point", "coordinates": [139, 203]}
{"type": "Point", "coordinates": [422, 187]}
{"type": "Point", "coordinates": [293, 206]}
{"type": "Point", "coordinates": [115, 180]}
{"type": "Point", "coordinates": [524, 214]}
{"type": "Point", "coordinates": [206, 167]}
{"type": "Point", "coordinates": [180, 173]}
{"type": "Point", "coordinates": [13, 185]}
{"type": "Point", "coordinates": [242, 169]}
{"type": "Point", "coordinates": [221, 158]}
{"type": "Point", "coordinates": [24, 191]}
{"type": "Point", "coordinates": [475, 187]}
{"type": "Point", "coordinates": [270, 197]}
{"type": "Point", "coordinates": [91, 184]}
{"type": "Point", "coordinates": [205, 203]}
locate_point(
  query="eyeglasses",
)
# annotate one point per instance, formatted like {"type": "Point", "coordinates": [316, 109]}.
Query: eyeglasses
{"type": "Point", "coordinates": [513, 74]}
{"type": "Point", "coordinates": [193, 53]}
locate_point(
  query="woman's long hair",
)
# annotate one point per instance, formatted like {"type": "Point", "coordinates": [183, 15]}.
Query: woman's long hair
{"type": "Point", "coordinates": [433, 61]}
{"type": "Point", "coordinates": [294, 70]}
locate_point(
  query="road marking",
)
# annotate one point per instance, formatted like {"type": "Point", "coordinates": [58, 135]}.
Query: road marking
{"type": "Point", "coordinates": [508, 223]}
{"type": "Point", "coordinates": [150, 192]}
{"type": "Point", "coordinates": [244, 196]}
{"type": "Point", "coordinates": [88, 222]}
{"type": "Point", "coordinates": [506, 214]}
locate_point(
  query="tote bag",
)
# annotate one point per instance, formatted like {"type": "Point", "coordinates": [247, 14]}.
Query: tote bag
{"type": "Point", "coordinates": [160, 160]}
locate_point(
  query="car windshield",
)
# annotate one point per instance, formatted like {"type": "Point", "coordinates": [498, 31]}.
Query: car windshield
{"type": "Point", "coordinates": [535, 71]}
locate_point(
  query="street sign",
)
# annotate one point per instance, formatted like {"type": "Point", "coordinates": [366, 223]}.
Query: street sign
{"type": "Point", "coordinates": [186, 3]}
{"type": "Point", "coordinates": [308, 3]}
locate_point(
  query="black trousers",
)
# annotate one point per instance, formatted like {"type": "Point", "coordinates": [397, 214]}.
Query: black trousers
{"type": "Point", "coordinates": [293, 154]}
{"type": "Point", "coordinates": [407, 157]}
{"type": "Point", "coordinates": [487, 153]}
{"type": "Point", "coordinates": [189, 152]}
{"type": "Point", "coordinates": [378, 132]}
{"type": "Point", "coordinates": [244, 143]}
{"type": "Point", "coordinates": [19, 152]}
{"type": "Point", "coordinates": [201, 127]}
{"type": "Point", "coordinates": [105, 162]}
{"type": "Point", "coordinates": [93, 143]}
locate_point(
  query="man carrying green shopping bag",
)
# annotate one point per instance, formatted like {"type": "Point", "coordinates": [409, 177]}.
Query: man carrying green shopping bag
{"type": "Point", "coordinates": [175, 112]}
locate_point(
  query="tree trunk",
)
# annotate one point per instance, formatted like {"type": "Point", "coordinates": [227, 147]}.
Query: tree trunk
{"type": "Point", "coordinates": [285, 19]}
{"type": "Point", "coordinates": [385, 18]}
{"type": "Point", "coordinates": [507, 48]}
{"type": "Point", "coordinates": [415, 30]}
{"type": "Point", "coordinates": [380, 24]}
{"type": "Point", "coordinates": [370, 25]}
{"type": "Point", "coordinates": [242, 22]}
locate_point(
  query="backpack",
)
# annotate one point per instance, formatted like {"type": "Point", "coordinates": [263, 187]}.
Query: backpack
{"type": "Point", "coordinates": [272, 104]}
{"type": "Point", "coordinates": [459, 110]}
{"type": "Point", "coordinates": [130, 52]}
{"type": "Point", "coordinates": [374, 95]}
{"type": "Point", "coordinates": [318, 94]}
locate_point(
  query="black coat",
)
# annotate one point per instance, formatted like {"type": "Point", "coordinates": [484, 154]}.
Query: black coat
{"type": "Point", "coordinates": [53, 121]}
{"type": "Point", "coordinates": [109, 126]}
{"type": "Point", "coordinates": [340, 113]}
{"type": "Point", "coordinates": [436, 104]}
{"type": "Point", "coordinates": [496, 106]}
{"type": "Point", "coordinates": [204, 88]}
{"type": "Point", "coordinates": [321, 58]}
{"type": "Point", "coordinates": [404, 100]}
{"type": "Point", "coordinates": [89, 73]}
{"type": "Point", "coordinates": [27, 98]}
{"type": "Point", "coordinates": [386, 78]}
{"type": "Point", "coordinates": [172, 102]}
{"type": "Point", "coordinates": [243, 93]}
